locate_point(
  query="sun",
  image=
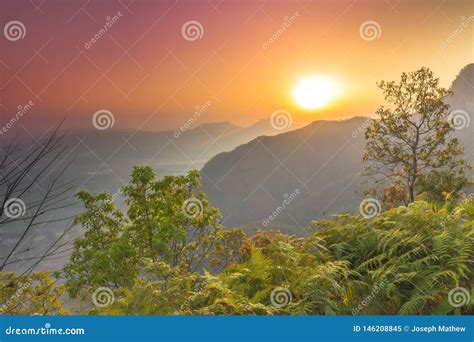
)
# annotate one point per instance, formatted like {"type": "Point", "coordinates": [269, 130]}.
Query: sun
{"type": "Point", "coordinates": [313, 92]}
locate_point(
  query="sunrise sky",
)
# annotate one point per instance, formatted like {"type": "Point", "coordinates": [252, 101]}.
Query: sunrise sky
{"type": "Point", "coordinates": [150, 77]}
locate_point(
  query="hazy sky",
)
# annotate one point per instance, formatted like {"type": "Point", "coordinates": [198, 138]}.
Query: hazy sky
{"type": "Point", "coordinates": [151, 75]}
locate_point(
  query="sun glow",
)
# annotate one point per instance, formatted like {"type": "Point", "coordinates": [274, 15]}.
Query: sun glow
{"type": "Point", "coordinates": [313, 92]}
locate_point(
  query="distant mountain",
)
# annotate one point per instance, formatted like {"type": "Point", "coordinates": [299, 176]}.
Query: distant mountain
{"type": "Point", "coordinates": [463, 101]}
{"type": "Point", "coordinates": [311, 172]}
{"type": "Point", "coordinates": [104, 159]}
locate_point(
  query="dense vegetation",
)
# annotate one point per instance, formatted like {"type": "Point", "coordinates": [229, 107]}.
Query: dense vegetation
{"type": "Point", "coordinates": [404, 261]}
{"type": "Point", "coordinates": [168, 253]}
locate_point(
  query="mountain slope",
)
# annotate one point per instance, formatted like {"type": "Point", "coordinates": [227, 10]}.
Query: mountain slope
{"type": "Point", "coordinates": [311, 172]}
{"type": "Point", "coordinates": [463, 101]}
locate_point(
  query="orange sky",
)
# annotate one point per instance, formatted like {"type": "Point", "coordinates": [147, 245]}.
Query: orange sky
{"type": "Point", "coordinates": [150, 77]}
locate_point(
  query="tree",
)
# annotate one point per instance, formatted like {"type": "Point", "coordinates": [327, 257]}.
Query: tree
{"type": "Point", "coordinates": [31, 189]}
{"type": "Point", "coordinates": [409, 146]}
{"type": "Point", "coordinates": [167, 220]}
{"type": "Point", "coordinates": [30, 294]}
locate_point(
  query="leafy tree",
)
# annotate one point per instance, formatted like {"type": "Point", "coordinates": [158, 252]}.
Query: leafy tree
{"type": "Point", "coordinates": [103, 256]}
{"type": "Point", "coordinates": [167, 221]}
{"type": "Point", "coordinates": [30, 294]}
{"type": "Point", "coordinates": [409, 146]}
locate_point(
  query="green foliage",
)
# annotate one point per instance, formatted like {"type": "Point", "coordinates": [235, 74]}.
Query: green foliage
{"type": "Point", "coordinates": [405, 261]}
{"type": "Point", "coordinates": [167, 221]}
{"type": "Point", "coordinates": [26, 295]}
{"type": "Point", "coordinates": [409, 147]}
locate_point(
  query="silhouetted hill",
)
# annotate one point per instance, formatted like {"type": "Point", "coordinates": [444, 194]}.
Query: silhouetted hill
{"type": "Point", "coordinates": [321, 161]}
{"type": "Point", "coordinates": [313, 168]}
{"type": "Point", "coordinates": [463, 99]}
{"type": "Point", "coordinates": [105, 158]}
